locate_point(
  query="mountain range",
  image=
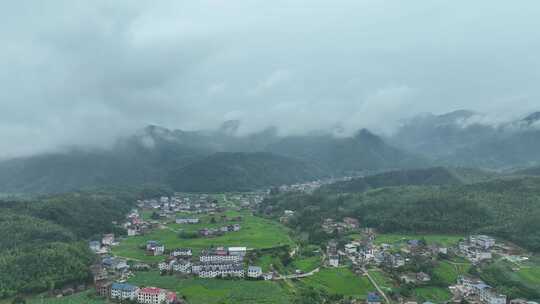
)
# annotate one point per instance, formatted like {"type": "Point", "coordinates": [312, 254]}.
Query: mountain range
{"type": "Point", "coordinates": [466, 138]}
{"type": "Point", "coordinates": [221, 160]}
{"type": "Point", "coordinates": [204, 161]}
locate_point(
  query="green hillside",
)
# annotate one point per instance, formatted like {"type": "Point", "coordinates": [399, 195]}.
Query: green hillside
{"type": "Point", "coordinates": [223, 172]}
{"type": "Point", "coordinates": [362, 152]}
{"type": "Point", "coordinates": [508, 208]}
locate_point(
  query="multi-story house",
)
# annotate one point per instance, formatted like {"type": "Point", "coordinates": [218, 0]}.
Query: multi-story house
{"type": "Point", "coordinates": [152, 295]}
{"type": "Point", "coordinates": [182, 266]}
{"type": "Point", "coordinates": [333, 260]}
{"type": "Point", "coordinates": [239, 251]}
{"type": "Point", "coordinates": [122, 291]}
{"type": "Point", "coordinates": [220, 254]}
{"type": "Point", "coordinates": [254, 272]}
{"type": "Point", "coordinates": [182, 253]}
{"type": "Point", "coordinates": [482, 241]}
{"type": "Point", "coordinates": [187, 220]}
{"type": "Point", "coordinates": [219, 270]}
{"type": "Point", "coordinates": [108, 239]}
{"type": "Point", "coordinates": [155, 248]}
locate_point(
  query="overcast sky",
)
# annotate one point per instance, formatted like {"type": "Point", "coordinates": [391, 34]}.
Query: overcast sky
{"type": "Point", "coordinates": [83, 72]}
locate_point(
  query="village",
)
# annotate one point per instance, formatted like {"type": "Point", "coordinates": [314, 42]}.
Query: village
{"type": "Point", "coordinates": [207, 219]}
{"type": "Point", "coordinates": [365, 253]}
{"type": "Point", "coordinates": [111, 273]}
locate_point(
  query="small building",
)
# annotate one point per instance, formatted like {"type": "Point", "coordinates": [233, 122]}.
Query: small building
{"type": "Point", "coordinates": [103, 288]}
{"type": "Point", "coordinates": [114, 263]}
{"type": "Point", "coordinates": [155, 248]}
{"type": "Point", "coordinates": [351, 248]}
{"type": "Point", "coordinates": [423, 277]}
{"type": "Point", "coordinates": [373, 298]}
{"type": "Point", "coordinates": [333, 260]}
{"type": "Point", "coordinates": [254, 272]}
{"type": "Point", "coordinates": [187, 220]}
{"type": "Point", "coordinates": [237, 251]}
{"type": "Point", "coordinates": [182, 252]}
{"type": "Point", "coordinates": [95, 246]}
{"type": "Point", "coordinates": [108, 239]}
{"type": "Point", "coordinates": [351, 223]}
{"type": "Point", "coordinates": [483, 241]}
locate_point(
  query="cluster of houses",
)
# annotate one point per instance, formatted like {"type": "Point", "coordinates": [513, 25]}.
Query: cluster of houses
{"type": "Point", "coordinates": [476, 290]}
{"type": "Point", "coordinates": [346, 224]}
{"type": "Point", "coordinates": [249, 199]}
{"type": "Point", "coordinates": [217, 262]}
{"type": "Point", "coordinates": [122, 292]}
{"type": "Point", "coordinates": [213, 232]}
{"type": "Point", "coordinates": [104, 245]}
{"type": "Point", "coordinates": [310, 187]}
{"type": "Point", "coordinates": [477, 248]}
{"type": "Point", "coordinates": [364, 252]}
{"type": "Point", "coordinates": [180, 202]}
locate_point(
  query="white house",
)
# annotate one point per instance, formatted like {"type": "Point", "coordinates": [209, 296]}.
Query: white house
{"type": "Point", "coordinates": [108, 239]}
{"type": "Point", "coordinates": [182, 266]}
{"type": "Point", "coordinates": [239, 251]}
{"type": "Point", "coordinates": [482, 241]}
{"type": "Point", "coordinates": [152, 295]}
{"type": "Point", "coordinates": [254, 272]}
{"type": "Point", "coordinates": [95, 246]}
{"type": "Point", "coordinates": [333, 260]}
{"type": "Point", "coordinates": [121, 291]}
{"type": "Point", "coordinates": [187, 220]}
{"type": "Point", "coordinates": [182, 252]}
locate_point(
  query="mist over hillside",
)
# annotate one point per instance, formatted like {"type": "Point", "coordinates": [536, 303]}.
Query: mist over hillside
{"type": "Point", "coordinates": [151, 155]}
{"type": "Point", "coordinates": [156, 155]}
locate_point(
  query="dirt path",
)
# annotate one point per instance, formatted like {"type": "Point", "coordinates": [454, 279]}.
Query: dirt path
{"type": "Point", "coordinates": [379, 290]}
{"type": "Point", "coordinates": [298, 276]}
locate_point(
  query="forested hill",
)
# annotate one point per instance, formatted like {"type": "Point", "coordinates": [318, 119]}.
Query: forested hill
{"type": "Point", "coordinates": [529, 171]}
{"type": "Point", "coordinates": [155, 154]}
{"type": "Point", "coordinates": [430, 176]}
{"type": "Point", "coordinates": [362, 152]}
{"type": "Point", "coordinates": [414, 177]}
{"type": "Point", "coordinates": [43, 242]}
{"type": "Point", "coordinates": [241, 172]}
{"type": "Point", "coordinates": [508, 208]}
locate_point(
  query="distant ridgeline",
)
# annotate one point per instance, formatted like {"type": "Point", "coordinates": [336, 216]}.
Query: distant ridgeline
{"type": "Point", "coordinates": [426, 201]}
{"type": "Point", "coordinates": [43, 241]}
{"type": "Point", "coordinates": [204, 161]}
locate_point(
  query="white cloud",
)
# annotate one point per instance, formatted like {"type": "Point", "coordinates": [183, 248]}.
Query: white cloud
{"type": "Point", "coordinates": [85, 72]}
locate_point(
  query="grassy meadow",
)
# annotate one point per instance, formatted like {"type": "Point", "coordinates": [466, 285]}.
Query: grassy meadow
{"type": "Point", "coordinates": [256, 232]}
{"type": "Point", "coordinates": [216, 291]}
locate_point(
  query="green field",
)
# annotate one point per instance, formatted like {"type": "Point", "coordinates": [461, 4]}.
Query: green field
{"type": "Point", "coordinates": [306, 264]}
{"type": "Point", "coordinates": [449, 272]}
{"type": "Point", "coordinates": [340, 281]}
{"type": "Point", "coordinates": [256, 232]}
{"type": "Point", "coordinates": [87, 297]}
{"type": "Point", "coordinates": [442, 239]}
{"type": "Point", "coordinates": [214, 291]}
{"type": "Point", "coordinates": [384, 281]}
{"type": "Point", "coordinates": [527, 274]}
{"type": "Point", "coordinates": [433, 294]}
